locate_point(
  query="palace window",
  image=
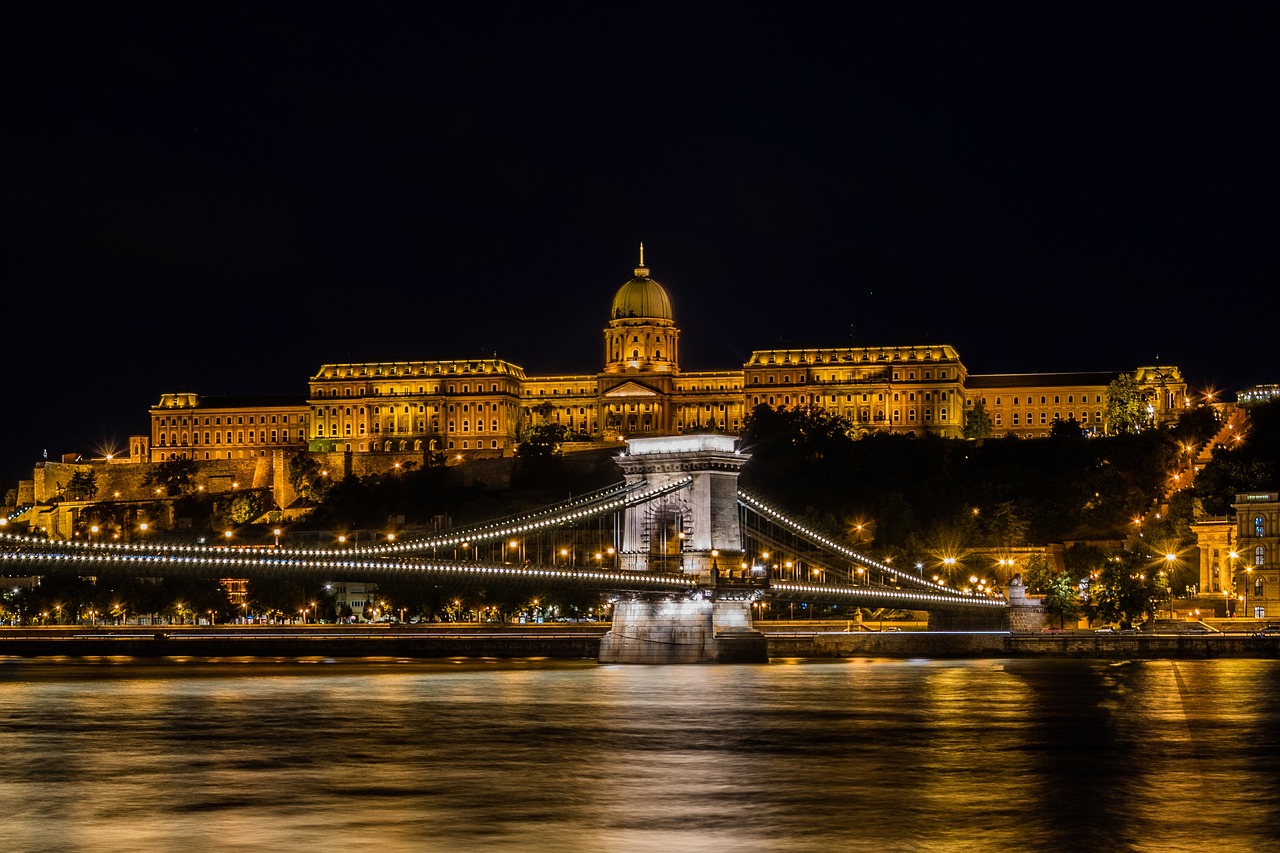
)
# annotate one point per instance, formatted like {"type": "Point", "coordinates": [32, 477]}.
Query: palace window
{"type": "Point", "coordinates": [1259, 527]}
{"type": "Point", "coordinates": [1259, 556]}
{"type": "Point", "coordinates": [1258, 587]}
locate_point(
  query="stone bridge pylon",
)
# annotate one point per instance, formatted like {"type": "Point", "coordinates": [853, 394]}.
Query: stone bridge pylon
{"type": "Point", "coordinates": [694, 531]}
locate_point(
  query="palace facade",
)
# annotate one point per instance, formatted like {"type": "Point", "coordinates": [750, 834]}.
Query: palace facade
{"type": "Point", "coordinates": [1240, 556]}
{"type": "Point", "coordinates": [468, 408]}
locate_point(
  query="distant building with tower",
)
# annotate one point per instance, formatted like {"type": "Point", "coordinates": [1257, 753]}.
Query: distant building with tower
{"type": "Point", "coordinates": [475, 408]}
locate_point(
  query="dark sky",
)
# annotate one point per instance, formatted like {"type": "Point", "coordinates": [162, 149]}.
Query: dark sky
{"type": "Point", "coordinates": [222, 200]}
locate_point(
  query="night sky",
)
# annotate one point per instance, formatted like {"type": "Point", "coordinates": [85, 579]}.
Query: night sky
{"type": "Point", "coordinates": [222, 200]}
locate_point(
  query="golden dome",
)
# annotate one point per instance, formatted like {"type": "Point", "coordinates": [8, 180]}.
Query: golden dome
{"type": "Point", "coordinates": [641, 297]}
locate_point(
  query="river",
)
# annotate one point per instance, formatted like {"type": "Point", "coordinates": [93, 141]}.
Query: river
{"type": "Point", "coordinates": [864, 754]}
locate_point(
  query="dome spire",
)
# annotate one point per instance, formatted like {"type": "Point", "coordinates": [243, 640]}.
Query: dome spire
{"type": "Point", "coordinates": [642, 270]}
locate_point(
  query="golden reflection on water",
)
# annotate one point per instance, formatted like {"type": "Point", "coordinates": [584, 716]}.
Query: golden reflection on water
{"type": "Point", "coordinates": [869, 754]}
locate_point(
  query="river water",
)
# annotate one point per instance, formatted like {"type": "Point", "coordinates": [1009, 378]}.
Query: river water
{"type": "Point", "coordinates": [884, 755]}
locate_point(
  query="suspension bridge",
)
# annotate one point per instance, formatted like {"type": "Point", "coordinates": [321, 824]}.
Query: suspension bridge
{"type": "Point", "coordinates": [687, 555]}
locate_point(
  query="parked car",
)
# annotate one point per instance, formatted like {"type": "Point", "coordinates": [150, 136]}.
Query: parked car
{"type": "Point", "coordinates": [1268, 631]}
{"type": "Point", "coordinates": [1105, 629]}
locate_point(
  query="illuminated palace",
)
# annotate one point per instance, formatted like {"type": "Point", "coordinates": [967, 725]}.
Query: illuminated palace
{"type": "Point", "coordinates": [469, 408]}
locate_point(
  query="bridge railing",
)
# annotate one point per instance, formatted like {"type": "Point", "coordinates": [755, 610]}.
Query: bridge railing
{"type": "Point", "coordinates": [826, 543]}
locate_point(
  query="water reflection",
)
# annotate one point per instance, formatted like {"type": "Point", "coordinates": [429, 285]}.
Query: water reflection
{"type": "Point", "coordinates": [881, 755]}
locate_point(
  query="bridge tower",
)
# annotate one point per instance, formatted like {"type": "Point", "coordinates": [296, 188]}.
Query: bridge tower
{"type": "Point", "coordinates": [693, 531]}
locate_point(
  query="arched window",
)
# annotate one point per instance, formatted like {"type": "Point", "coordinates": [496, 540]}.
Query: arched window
{"type": "Point", "coordinates": [1259, 527]}
{"type": "Point", "coordinates": [1258, 587]}
{"type": "Point", "coordinates": [1259, 556]}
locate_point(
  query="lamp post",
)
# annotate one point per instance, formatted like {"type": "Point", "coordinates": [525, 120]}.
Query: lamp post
{"type": "Point", "coordinates": [1235, 567]}
{"type": "Point", "coordinates": [1248, 574]}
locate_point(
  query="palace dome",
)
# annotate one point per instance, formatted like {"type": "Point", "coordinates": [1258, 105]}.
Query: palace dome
{"type": "Point", "coordinates": [641, 297]}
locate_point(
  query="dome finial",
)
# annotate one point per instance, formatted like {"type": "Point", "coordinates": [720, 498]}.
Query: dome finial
{"type": "Point", "coordinates": [642, 269]}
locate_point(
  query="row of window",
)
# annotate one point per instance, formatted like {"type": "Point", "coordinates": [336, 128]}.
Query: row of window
{"type": "Point", "coordinates": [1044, 418]}
{"type": "Point", "coordinates": [1057, 399]}
{"type": "Point", "coordinates": [208, 455]}
{"type": "Point", "coordinates": [391, 391]}
{"type": "Point", "coordinates": [346, 429]}
{"type": "Point", "coordinates": [281, 437]}
{"type": "Point", "coordinates": [217, 420]}
{"type": "Point", "coordinates": [865, 375]}
{"type": "Point", "coordinates": [377, 410]}
{"type": "Point", "coordinates": [708, 424]}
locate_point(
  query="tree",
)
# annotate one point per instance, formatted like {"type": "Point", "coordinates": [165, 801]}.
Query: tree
{"type": "Point", "coordinates": [244, 507]}
{"type": "Point", "coordinates": [83, 485]}
{"type": "Point", "coordinates": [1066, 430]}
{"type": "Point", "coordinates": [1126, 406]}
{"type": "Point", "coordinates": [176, 476]}
{"type": "Point", "coordinates": [1037, 576]}
{"type": "Point", "coordinates": [1004, 527]}
{"type": "Point", "coordinates": [1062, 598]}
{"type": "Point", "coordinates": [1127, 589]}
{"type": "Point", "coordinates": [305, 478]}
{"type": "Point", "coordinates": [977, 422]}
{"type": "Point", "coordinates": [542, 440]}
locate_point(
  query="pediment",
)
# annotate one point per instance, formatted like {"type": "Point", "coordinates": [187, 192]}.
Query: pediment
{"type": "Point", "coordinates": [631, 389]}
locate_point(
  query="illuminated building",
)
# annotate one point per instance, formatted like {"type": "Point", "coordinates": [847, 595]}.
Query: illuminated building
{"type": "Point", "coordinates": [469, 408]}
{"type": "Point", "coordinates": [1258, 394]}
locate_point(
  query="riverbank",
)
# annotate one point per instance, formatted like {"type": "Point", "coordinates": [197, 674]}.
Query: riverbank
{"type": "Point", "coordinates": [581, 642]}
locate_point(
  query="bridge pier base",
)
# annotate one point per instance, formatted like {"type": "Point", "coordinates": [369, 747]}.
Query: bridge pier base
{"type": "Point", "coordinates": [682, 631]}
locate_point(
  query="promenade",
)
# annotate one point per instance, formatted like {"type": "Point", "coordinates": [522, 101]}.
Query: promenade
{"type": "Point", "coordinates": [581, 641]}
